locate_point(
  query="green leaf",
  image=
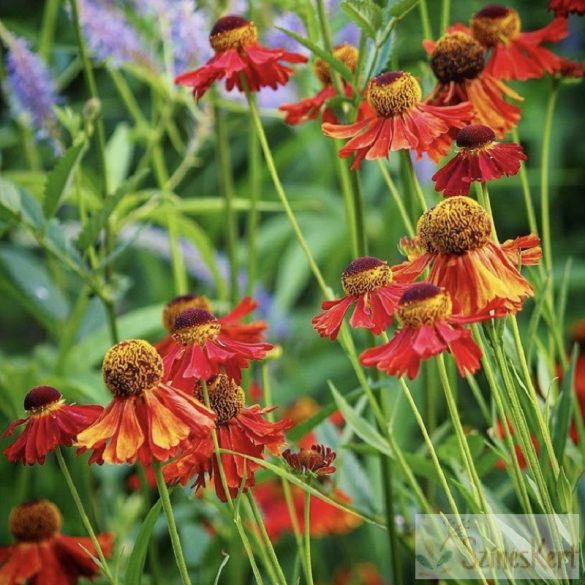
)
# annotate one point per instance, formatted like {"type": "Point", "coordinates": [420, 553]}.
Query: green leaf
{"type": "Point", "coordinates": [402, 7]}
{"type": "Point", "coordinates": [119, 153]}
{"type": "Point", "coordinates": [338, 66]}
{"type": "Point", "coordinates": [362, 428]}
{"type": "Point", "coordinates": [135, 568]}
{"type": "Point", "coordinates": [92, 228]}
{"type": "Point", "coordinates": [19, 206]}
{"type": "Point", "coordinates": [365, 13]}
{"type": "Point", "coordinates": [59, 179]}
{"type": "Point", "coordinates": [561, 417]}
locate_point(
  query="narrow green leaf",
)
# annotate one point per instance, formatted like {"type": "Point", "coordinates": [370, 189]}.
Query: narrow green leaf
{"type": "Point", "coordinates": [342, 69]}
{"type": "Point", "coordinates": [59, 179]}
{"type": "Point", "coordinates": [365, 13]}
{"type": "Point", "coordinates": [221, 567]}
{"type": "Point", "coordinates": [119, 153]}
{"type": "Point", "coordinates": [561, 417]}
{"type": "Point", "coordinates": [362, 428]}
{"type": "Point", "coordinates": [135, 568]}
{"type": "Point", "coordinates": [402, 7]}
{"type": "Point", "coordinates": [92, 228]}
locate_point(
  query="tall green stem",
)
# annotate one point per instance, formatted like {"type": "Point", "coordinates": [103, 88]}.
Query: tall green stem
{"type": "Point", "coordinates": [445, 10]}
{"type": "Point", "coordinates": [397, 199]}
{"type": "Point", "coordinates": [358, 215]}
{"type": "Point", "coordinates": [226, 181]}
{"type": "Point", "coordinates": [254, 187]}
{"type": "Point", "coordinates": [415, 185]}
{"type": "Point", "coordinates": [526, 190]}
{"type": "Point", "coordinates": [172, 525]}
{"type": "Point", "coordinates": [50, 15]}
{"type": "Point", "coordinates": [84, 517]}
{"type": "Point", "coordinates": [544, 177]}
{"type": "Point", "coordinates": [308, 538]}
{"type": "Point", "coordinates": [424, 20]}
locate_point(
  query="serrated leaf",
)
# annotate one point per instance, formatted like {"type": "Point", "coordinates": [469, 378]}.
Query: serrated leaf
{"type": "Point", "coordinates": [342, 69]}
{"type": "Point", "coordinates": [59, 179]}
{"type": "Point", "coordinates": [360, 426]}
{"type": "Point", "coordinates": [402, 7]}
{"type": "Point", "coordinates": [365, 13]}
{"type": "Point", "coordinates": [135, 568]}
{"type": "Point", "coordinates": [94, 226]}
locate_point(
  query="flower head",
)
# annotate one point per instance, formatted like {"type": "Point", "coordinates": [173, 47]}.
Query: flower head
{"type": "Point", "coordinates": [50, 423]}
{"type": "Point", "coordinates": [41, 554]}
{"type": "Point", "coordinates": [455, 239]}
{"type": "Point", "coordinates": [239, 55]}
{"type": "Point", "coordinates": [397, 119]}
{"type": "Point", "coordinates": [310, 108]}
{"type": "Point", "coordinates": [480, 158]}
{"type": "Point", "coordinates": [240, 429]}
{"type": "Point", "coordinates": [32, 90]}
{"type": "Point", "coordinates": [566, 7]}
{"type": "Point", "coordinates": [146, 420]}
{"type": "Point", "coordinates": [202, 343]}
{"type": "Point", "coordinates": [458, 62]}
{"type": "Point", "coordinates": [315, 461]}
{"type": "Point", "coordinates": [516, 54]}
{"type": "Point", "coordinates": [374, 287]}
{"type": "Point", "coordinates": [429, 326]}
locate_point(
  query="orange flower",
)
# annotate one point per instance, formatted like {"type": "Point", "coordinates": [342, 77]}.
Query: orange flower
{"type": "Point", "coordinates": [374, 288]}
{"type": "Point", "coordinates": [457, 60]}
{"type": "Point", "coordinates": [146, 420]}
{"type": "Point", "coordinates": [50, 423]}
{"type": "Point", "coordinates": [515, 54]}
{"type": "Point", "coordinates": [480, 158]}
{"type": "Point", "coordinates": [202, 344]}
{"type": "Point", "coordinates": [397, 120]}
{"type": "Point", "coordinates": [232, 324]}
{"type": "Point", "coordinates": [240, 429]}
{"type": "Point", "coordinates": [454, 238]}
{"type": "Point", "coordinates": [238, 54]}
{"type": "Point", "coordinates": [566, 7]}
{"type": "Point", "coordinates": [42, 555]}
{"type": "Point", "coordinates": [310, 108]}
{"type": "Point", "coordinates": [325, 518]}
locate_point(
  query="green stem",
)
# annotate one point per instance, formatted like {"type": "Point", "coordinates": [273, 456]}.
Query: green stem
{"type": "Point", "coordinates": [84, 517]}
{"type": "Point", "coordinates": [424, 20]}
{"type": "Point", "coordinates": [282, 195]}
{"type": "Point", "coordinates": [227, 184]}
{"type": "Point", "coordinates": [255, 196]}
{"type": "Point", "coordinates": [50, 15]}
{"type": "Point", "coordinates": [358, 214]}
{"type": "Point", "coordinates": [445, 10]}
{"type": "Point", "coordinates": [526, 190]}
{"type": "Point", "coordinates": [415, 185]}
{"type": "Point", "coordinates": [544, 177]}
{"type": "Point", "coordinates": [397, 199]}
{"type": "Point", "coordinates": [172, 526]}
{"type": "Point", "coordinates": [328, 42]}
{"type": "Point", "coordinates": [308, 538]}
{"type": "Point", "coordinates": [486, 204]}
{"type": "Point", "coordinates": [346, 188]}
{"type": "Point", "coordinates": [295, 523]}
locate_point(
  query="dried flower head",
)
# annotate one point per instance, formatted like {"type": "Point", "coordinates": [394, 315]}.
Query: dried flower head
{"type": "Point", "coordinates": [315, 461]}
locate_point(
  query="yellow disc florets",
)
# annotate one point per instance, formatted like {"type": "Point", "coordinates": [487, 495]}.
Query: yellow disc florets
{"type": "Point", "coordinates": [345, 53]}
{"type": "Point", "coordinates": [226, 398]}
{"type": "Point", "coordinates": [366, 274]}
{"type": "Point", "coordinates": [179, 304]}
{"type": "Point", "coordinates": [455, 226]}
{"type": "Point", "coordinates": [195, 326]}
{"type": "Point", "coordinates": [131, 367]}
{"type": "Point", "coordinates": [457, 57]}
{"type": "Point", "coordinates": [393, 93]}
{"type": "Point", "coordinates": [302, 410]}
{"type": "Point", "coordinates": [35, 521]}
{"type": "Point", "coordinates": [495, 24]}
{"type": "Point", "coordinates": [423, 304]}
{"type": "Point", "coordinates": [232, 32]}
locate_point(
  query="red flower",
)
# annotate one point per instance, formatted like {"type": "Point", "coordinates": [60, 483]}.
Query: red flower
{"type": "Point", "coordinates": [146, 420]}
{"type": "Point", "coordinates": [326, 519]}
{"type": "Point", "coordinates": [238, 54]}
{"type": "Point", "coordinates": [240, 429]}
{"type": "Point", "coordinates": [360, 574]}
{"type": "Point", "coordinates": [480, 158]}
{"type": "Point", "coordinates": [310, 108]}
{"type": "Point", "coordinates": [201, 347]}
{"type": "Point", "coordinates": [374, 288]}
{"type": "Point", "coordinates": [499, 431]}
{"type": "Point", "coordinates": [44, 556]}
{"type": "Point", "coordinates": [516, 54]}
{"type": "Point", "coordinates": [455, 239]}
{"type": "Point", "coordinates": [399, 120]}
{"type": "Point", "coordinates": [457, 60]}
{"type": "Point", "coordinates": [428, 327]}
{"type": "Point", "coordinates": [315, 461]}
{"type": "Point", "coordinates": [50, 423]}
{"type": "Point", "coordinates": [565, 7]}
